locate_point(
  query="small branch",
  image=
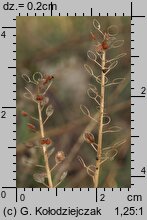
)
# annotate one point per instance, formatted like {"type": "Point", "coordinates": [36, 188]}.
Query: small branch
{"type": "Point", "coordinates": [45, 185]}
{"type": "Point", "coordinates": [42, 107]}
{"type": "Point", "coordinates": [58, 183]}
{"type": "Point", "coordinates": [86, 112]}
{"type": "Point", "coordinates": [40, 166]}
{"type": "Point", "coordinates": [64, 174]}
{"type": "Point", "coordinates": [87, 167]}
{"type": "Point", "coordinates": [112, 129]}
{"type": "Point", "coordinates": [54, 167]}
{"type": "Point", "coordinates": [47, 88]}
{"type": "Point", "coordinates": [116, 81]}
{"type": "Point", "coordinates": [46, 120]}
{"type": "Point", "coordinates": [92, 145]}
{"type": "Point", "coordinates": [36, 119]}
{"type": "Point", "coordinates": [31, 94]}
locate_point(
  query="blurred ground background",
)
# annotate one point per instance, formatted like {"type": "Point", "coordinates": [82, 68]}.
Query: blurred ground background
{"type": "Point", "coordinates": [58, 46]}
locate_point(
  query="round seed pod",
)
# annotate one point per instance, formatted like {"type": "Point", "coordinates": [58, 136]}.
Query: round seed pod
{"type": "Point", "coordinates": [24, 114]}
{"type": "Point", "coordinates": [46, 141]}
{"type": "Point", "coordinates": [59, 157]}
{"type": "Point", "coordinates": [31, 126]}
{"type": "Point", "coordinates": [89, 138]}
{"type": "Point", "coordinates": [39, 98]}
{"type": "Point", "coordinates": [105, 45]}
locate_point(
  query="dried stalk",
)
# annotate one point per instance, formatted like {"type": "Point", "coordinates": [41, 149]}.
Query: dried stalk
{"type": "Point", "coordinates": [100, 122]}
{"type": "Point", "coordinates": [98, 56]}
{"type": "Point", "coordinates": [42, 83]}
{"type": "Point", "coordinates": [47, 167]}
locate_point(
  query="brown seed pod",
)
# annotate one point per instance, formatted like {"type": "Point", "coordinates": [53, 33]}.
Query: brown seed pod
{"type": "Point", "coordinates": [31, 126]}
{"type": "Point", "coordinates": [105, 45]}
{"type": "Point", "coordinates": [46, 141]}
{"type": "Point", "coordinates": [59, 157]}
{"type": "Point", "coordinates": [47, 78]}
{"type": "Point", "coordinates": [89, 138]}
{"type": "Point", "coordinates": [39, 98]}
{"type": "Point", "coordinates": [24, 114]}
{"type": "Point", "coordinates": [29, 145]}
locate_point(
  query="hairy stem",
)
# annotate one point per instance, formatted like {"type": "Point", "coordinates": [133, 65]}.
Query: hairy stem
{"type": "Point", "coordinates": [47, 167]}
{"type": "Point", "coordinates": [100, 123]}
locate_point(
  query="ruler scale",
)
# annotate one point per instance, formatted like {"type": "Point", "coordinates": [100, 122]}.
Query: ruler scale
{"type": "Point", "coordinates": [80, 203]}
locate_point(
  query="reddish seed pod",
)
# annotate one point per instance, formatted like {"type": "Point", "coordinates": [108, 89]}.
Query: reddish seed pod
{"type": "Point", "coordinates": [24, 114]}
{"type": "Point", "coordinates": [89, 138]}
{"type": "Point", "coordinates": [47, 79]}
{"type": "Point", "coordinates": [39, 98]}
{"type": "Point", "coordinates": [31, 126]}
{"type": "Point", "coordinates": [42, 142]}
{"type": "Point", "coordinates": [46, 141]}
{"type": "Point", "coordinates": [105, 46]}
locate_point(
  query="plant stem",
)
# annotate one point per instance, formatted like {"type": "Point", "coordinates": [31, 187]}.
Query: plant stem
{"type": "Point", "coordinates": [100, 123]}
{"type": "Point", "coordinates": [50, 183]}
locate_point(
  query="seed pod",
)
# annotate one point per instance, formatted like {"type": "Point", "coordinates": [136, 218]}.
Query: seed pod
{"type": "Point", "coordinates": [89, 138]}
{"type": "Point", "coordinates": [49, 110]}
{"type": "Point", "coordinates": [29, 145]}
{"type": "Point", "coordinates": [46, 100]}
{"type": "Point", "coordinates": [47, 78]}
{"type": "Point", "coordinates": [59, 157]}
{"type": "Point", "coordinates": [31, 126]}
{"type": "Point", "coordinates": [43, 141]}
{"type": "Point", "coordinates": [39, 98]}
{"type": "Point", "coordinates": [105, 46]}
{"type": "Point", "coordinates": [24, 114]}
{"type": "Point", "coordinates": [39, 177]}
{"type": "Point", "coordinates": [46, 141]}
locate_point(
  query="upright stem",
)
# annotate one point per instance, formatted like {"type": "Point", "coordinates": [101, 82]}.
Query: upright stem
{"type": "Point", "coordinates": [50, 183]}
{"type": "Point", "coordinates": [100, 123]}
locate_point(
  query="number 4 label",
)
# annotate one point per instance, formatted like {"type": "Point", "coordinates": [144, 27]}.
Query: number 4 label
{"type": "Point", "coordinates": [3, 34]}
{"type": "Point", "coordinates": [143, 170]}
